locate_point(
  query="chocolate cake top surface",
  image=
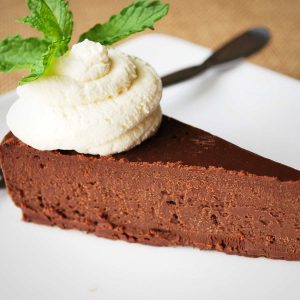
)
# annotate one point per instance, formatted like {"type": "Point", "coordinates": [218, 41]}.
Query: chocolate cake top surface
{"type": "Point", "coordinates": [176, 142]}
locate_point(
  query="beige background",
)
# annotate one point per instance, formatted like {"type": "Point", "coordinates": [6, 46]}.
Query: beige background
{"type": "Point", "coordinates": [207, 22]}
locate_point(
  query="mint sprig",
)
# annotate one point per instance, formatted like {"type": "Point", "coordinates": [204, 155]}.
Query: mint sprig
{"type": "Point", "coordinates": [18, 53]}
{"type": "Point", "coordinates": [43, 63]}
{"type": "Point", "coordinates": [136, 17]}
{"type": "Point", "coordinates": [54, 20]}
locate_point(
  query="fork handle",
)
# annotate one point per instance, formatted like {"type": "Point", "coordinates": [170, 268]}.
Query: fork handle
{"type": "Point", "coordinates": [243, 45]}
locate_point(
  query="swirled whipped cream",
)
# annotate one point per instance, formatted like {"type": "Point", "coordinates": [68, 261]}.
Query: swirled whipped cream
{"type": "Point", "coordinates": [94, 100]}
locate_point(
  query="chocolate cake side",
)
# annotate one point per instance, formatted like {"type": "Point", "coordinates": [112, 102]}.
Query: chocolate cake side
{"type": "Point", "coordinates": [182, 187]}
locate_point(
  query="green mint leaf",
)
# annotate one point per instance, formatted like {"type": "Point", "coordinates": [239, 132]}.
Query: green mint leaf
{"type": "Point", "coordinates": [135, 18]}
{"type": "Point", "coordinates": [18, 53]}
{"type": "Point", "coordinates": [52, 18]}
{"type": "Point", "coordinates": [55, 21]}
{"type": "Point", "coordinates": [42, 64]}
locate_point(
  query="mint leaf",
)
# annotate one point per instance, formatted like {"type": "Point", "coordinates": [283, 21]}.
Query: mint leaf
{"type": "Point", "coordinates": [55, 21]}
{"type": "Point", "coordinates": [42, 64]}
{"type": "Point", "coordinates": [134, 18]}
{"type": "Point", "coordinates": [18, 53]}
{"type": "Point", "coordinates": [52, 18]}
{"type": "Point", "coordinates": [63, 16]}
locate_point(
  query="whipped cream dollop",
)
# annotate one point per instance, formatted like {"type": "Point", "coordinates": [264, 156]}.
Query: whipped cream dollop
{"type": "Point", "coordinates": [94, 100]}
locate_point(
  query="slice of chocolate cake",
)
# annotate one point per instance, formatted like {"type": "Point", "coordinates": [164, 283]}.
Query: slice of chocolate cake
{"type": "Point", "coordinates": [183, 186]}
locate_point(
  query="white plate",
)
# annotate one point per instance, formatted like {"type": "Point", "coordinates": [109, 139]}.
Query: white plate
{"type": "Point", "coordinates": [243, 103]}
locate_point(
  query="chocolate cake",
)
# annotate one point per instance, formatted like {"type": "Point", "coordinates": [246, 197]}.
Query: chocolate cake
{"type": "Point", "coordinates": [183, 186]}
